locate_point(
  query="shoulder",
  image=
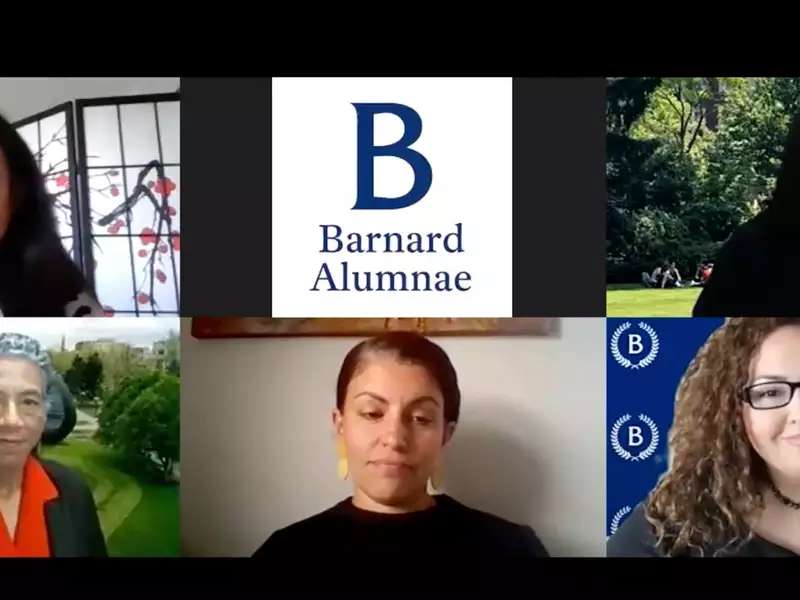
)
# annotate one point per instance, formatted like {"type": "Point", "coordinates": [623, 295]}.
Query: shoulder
{"type": "Point", "coordinates": [69, 483]}
{"type": "Point", "coordinates": [501, 533]}
{"type": "Point", "coordinates": [83, 305]}
{"type": "Point", "coordinates": [298, 535]}
{"type": "Point", "coordinates": [635, 536]}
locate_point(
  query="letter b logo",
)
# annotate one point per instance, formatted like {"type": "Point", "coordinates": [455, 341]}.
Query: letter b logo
{"type": "Point", "coordinates": [635, 436]}
{"type": "Point", "coordinates": [635, 345]}
{"type": "Point", "coordinates": [367, 151]}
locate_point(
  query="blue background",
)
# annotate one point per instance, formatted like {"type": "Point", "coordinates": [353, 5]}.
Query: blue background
{"type": "Point", "coordinates": [649, 390]}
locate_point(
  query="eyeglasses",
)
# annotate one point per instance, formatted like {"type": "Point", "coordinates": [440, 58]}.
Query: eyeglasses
{"type": "Point", "coordinates": [770, 394]}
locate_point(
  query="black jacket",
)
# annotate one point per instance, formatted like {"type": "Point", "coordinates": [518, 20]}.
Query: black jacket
{"type": "Point", "coordinates": [73, 527]}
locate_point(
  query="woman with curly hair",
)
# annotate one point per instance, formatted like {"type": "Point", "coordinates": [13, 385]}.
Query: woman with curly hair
{"type": "Point", "coordinates": [733, 485]}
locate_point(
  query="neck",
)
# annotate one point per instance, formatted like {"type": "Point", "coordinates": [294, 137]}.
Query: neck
{"type": "Point", "coordinates": [11, 480]}
{"type": "Point", "coordinates": [420, 502]}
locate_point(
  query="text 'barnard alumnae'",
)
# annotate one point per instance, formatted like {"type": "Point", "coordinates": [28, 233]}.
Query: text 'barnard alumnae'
{"type": "Point", "coordinates": [342, 277]}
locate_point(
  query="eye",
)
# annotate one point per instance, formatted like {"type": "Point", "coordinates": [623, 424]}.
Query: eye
{"type": "Point", "coordinates": [372, 415]}
{"type": "Point", "coordinates": [422, 420]}
{"type": "Point", "coordinates": [30, 402]}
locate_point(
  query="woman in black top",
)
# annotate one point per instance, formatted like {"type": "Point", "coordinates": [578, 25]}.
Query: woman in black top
{"type": "Point", "coordinates": [397, 405]}
{"type": "Point", "coordinates": [733, 485]}
{"type": "Point", "coordinates": [37, 276]}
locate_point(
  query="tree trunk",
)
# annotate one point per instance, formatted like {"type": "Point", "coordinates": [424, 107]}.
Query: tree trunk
{"type": "Point", "coordinates": [711, 104]}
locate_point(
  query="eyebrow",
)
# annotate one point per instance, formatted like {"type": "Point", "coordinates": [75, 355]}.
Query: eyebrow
{"type": "Point", "coordinates": [385, 401]}
{"type": "Point", "coordinates": [768, 378]}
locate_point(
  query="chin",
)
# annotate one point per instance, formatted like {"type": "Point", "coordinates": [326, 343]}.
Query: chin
{"type": "Point", "coordinates": [392, 493]}
{"type": "Point", "coordinates": [15, 459]}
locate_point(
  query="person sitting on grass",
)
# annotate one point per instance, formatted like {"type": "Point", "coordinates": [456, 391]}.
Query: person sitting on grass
{"type": "Point", "coordinates": [672, 278]}
{"type": "Point", "coordinates": [655, 279]}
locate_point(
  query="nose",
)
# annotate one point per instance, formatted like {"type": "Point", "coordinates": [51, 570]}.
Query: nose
{"type": "Point", "coordinates": [794, 405]}
{"type": "Point", "coordinates": [395, 434]}
{"type": "Point", "coordinates": [9, 414]}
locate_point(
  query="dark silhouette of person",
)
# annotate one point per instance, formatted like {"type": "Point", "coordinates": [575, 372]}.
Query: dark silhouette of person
{"type": "Point", "coordinates": [757, 272]}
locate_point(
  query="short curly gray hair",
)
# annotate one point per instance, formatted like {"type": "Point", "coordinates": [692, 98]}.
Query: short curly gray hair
{"type": "Point", "coordinates": [17, 345]}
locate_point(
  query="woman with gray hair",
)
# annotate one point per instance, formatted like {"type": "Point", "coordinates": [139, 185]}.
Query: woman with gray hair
{"type": "Point", "coordinates": [45, 509]}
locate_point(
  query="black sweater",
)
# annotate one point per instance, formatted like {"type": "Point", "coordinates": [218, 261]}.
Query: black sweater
{"type": "Point", "coordinates": [636, 538]}
{"type": "Point", "coordinates": [447, 535]}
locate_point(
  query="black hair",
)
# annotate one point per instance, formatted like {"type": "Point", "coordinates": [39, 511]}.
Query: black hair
{"type": "Point", "coordinates": [786, 198]}
{"type": "Point", "coordinates": [37, 276]}
{"type": "Point", "coordinates": [408, 347]}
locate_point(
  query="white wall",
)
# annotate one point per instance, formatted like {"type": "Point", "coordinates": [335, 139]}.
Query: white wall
{"type": "Point", "coordinates": [25, 96]}
{"type": "Point", "coordinates": [257, 446]}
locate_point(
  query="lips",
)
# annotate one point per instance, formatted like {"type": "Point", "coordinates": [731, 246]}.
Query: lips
{"type": "Point", "coordinates": [794, 440]}
{"type": "Point", "coordinates": [391, 467]}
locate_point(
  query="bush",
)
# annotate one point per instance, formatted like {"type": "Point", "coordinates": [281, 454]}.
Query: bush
{"type": "Point", "coordinates": [142, 419]}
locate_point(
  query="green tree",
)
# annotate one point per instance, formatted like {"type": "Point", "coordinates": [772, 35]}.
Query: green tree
{"type": "Point", "coordinates": [74, 376]}
{"type": "Point", "coordinates": [118, 401]}
{"type": "Point", "coordinates": [92, 377]}
{"type": "Point", "coordinates": [62, 360]}
{"type": "Point", "coordinates": [149, 427]}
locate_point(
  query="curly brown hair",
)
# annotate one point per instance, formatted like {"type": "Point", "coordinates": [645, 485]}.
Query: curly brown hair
{"type": "Point", "coordinates": [704, 503]}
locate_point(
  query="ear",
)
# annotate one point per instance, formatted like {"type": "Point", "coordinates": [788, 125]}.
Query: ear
{"type": "Point", "coordinates": [336, 419]}
{"type": "Point", "coordinates": [449, 430]}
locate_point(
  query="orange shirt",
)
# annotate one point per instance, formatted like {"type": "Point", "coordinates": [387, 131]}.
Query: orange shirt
{"type": "Point", "coordinates": [31, 539]}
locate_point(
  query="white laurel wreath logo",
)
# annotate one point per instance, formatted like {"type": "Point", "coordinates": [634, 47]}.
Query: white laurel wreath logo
{"type": "Point", "coordinates": [625, 361]}
{"type": "Point", "coordinates": [618, 516]}
{"type": "Point", "coordinates": [644, 454]}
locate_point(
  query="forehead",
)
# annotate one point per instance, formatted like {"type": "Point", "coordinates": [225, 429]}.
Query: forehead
{"type": "Point", "coordinates": [19, 373]}
{"type": "Point", "coordinates": [387, 376]}
{"type": "Point", "coordinates": [779, 353]}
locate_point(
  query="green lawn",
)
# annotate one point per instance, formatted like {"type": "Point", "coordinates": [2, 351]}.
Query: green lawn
{"type": "Point", "coordinates": [633, 300]}
{"type": "Point", "coordinates": [137, 516]}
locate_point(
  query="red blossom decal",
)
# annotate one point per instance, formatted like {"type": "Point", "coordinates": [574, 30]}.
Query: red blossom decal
{"type": "Point", "coordinates": [62, 180]}
{"type": "Point", "coordinates": [148, 236]}
{"type": "Point", "coordinates": [176, 242]}
{"type": "Point", "coordinates": [143, 298]}
{"type": "Point", "coordinates": [114, 190]}
{"type": "Point", "coordinates": [164, 186]}
{"type": "Point", "coordinates": [108, 311]}
{"type": "Point", "coordinates": [171, 211]}
{"type": "Point", "coordinates": [163, 248]}
{"type": "Point", "coordinates": [142, 252]}
{"type": "Point", "coordinates": [161, 276]}
{"type": "Point", "coordinates": [116, 226]}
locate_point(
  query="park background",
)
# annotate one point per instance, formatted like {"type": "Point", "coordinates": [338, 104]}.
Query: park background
{"type": "Point", "coordinates": [688, 160]}
{"type": "Point", "coordinates": [123, 436]}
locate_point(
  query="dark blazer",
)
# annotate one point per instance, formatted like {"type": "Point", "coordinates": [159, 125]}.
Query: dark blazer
{"type": "Point", "coordinates": [73, 527]}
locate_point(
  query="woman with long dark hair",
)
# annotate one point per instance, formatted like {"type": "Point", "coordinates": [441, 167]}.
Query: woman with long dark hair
{"type": "Point", "coordinates": [37, 276]}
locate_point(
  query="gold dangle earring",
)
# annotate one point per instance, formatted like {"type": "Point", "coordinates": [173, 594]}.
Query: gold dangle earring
{"type": "Point", "coordinates": [437, 477]}
{"type": "Point", "coordinates": [342, 468]}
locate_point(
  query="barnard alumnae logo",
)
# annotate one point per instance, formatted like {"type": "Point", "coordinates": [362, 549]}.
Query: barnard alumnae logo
{"type": "Point", "coordinates": [342, 276]}
{"type": "Point", "coordinates": [629, 440]}
{"type": "Point", "coordinates": [630, 348]}
{"type": "Point", "coordinates": [368, 151]}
